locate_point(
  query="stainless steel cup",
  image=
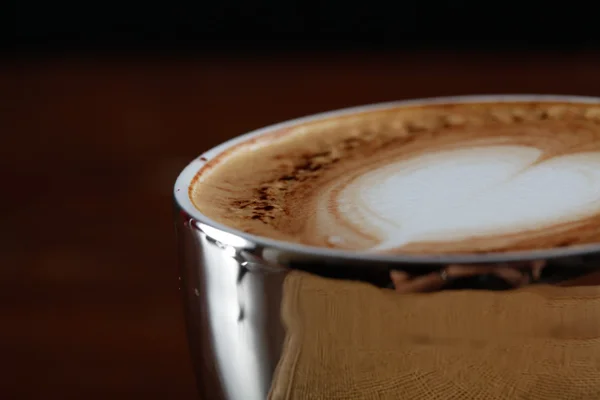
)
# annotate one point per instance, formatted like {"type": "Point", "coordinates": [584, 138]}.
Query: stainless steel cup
{"type": "Point", "coordinates": [232, 281]}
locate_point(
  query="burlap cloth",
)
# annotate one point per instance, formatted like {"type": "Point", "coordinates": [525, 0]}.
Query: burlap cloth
{"type": "Point", "coordinates": [350, 340]}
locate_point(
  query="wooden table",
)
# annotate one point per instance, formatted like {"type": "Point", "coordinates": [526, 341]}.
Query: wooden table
{"type": "Point", "coordinates": [90, 149]}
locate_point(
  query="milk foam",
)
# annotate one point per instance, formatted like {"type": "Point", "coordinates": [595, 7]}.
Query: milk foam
{"type": "Point", "coordinates": [468, 192]}
{"type": "Point", "coordinates": [481, 177]}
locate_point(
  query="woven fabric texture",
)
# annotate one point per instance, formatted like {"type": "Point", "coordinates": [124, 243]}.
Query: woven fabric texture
{"type": "Point", "coordinates": [350, 340]}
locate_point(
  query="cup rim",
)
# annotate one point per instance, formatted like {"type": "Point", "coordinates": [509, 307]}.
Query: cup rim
{"type": "Point", "coordinates": [185, 178]}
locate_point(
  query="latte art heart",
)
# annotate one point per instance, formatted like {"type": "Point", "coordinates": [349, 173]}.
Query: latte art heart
{"type": "Point", "coordinates": [448, 178]}
{"type": "Point", "coordinates": [470, 192]}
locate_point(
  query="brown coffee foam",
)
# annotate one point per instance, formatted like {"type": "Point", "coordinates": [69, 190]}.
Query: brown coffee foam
{"type": "Point", "coordinates": [273, 191]}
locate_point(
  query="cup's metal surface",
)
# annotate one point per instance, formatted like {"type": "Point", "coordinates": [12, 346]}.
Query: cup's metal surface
{"type": "Point", "coordinates": [232, 284]}
{"type": "Point", "coordinates": [232, 293]}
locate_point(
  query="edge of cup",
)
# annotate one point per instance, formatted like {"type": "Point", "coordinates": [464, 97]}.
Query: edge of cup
{"type": "Point", "coordinates": [182, 185]}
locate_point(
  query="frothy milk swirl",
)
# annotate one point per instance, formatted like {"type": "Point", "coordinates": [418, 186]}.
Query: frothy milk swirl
{"type": "Point", "coordinates": [481, 177]}
{"type": "Point", "coordinates": [457, 194]}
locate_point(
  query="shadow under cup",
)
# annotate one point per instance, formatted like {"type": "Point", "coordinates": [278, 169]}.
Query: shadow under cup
{"type": "Point", "coordinates": [232, 282]}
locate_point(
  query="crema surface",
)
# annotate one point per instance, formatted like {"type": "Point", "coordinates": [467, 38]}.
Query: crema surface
{"type": "Point", "coordinates": [450, 178]}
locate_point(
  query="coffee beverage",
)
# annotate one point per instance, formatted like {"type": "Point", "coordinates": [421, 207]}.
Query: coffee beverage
{"type": "Point", "coordinates": [435, 178]}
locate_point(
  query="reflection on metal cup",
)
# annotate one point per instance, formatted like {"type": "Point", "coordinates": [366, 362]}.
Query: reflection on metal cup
{"type": "Point", "coordinates": [233, 292]}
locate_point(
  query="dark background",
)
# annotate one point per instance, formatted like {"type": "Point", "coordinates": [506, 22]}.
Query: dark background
{"type": "Point", "coordinates": [103, 103]}
{"type": "Point", "coordinates": [287, 26]}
